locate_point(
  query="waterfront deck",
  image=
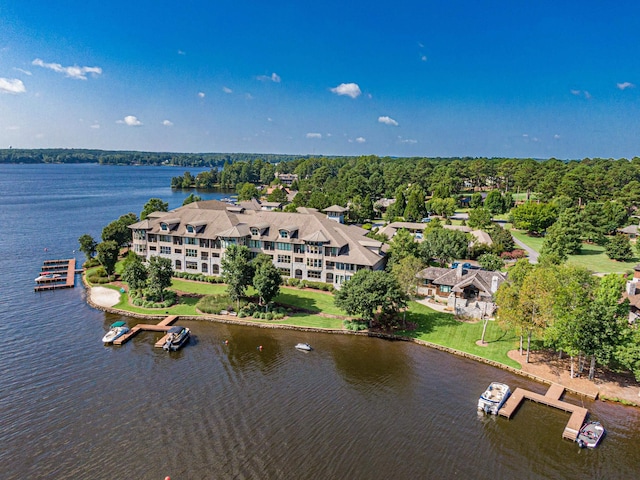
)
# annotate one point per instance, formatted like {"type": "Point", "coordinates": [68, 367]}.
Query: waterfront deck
{"type": "Point", "coordinates": [552, 399]}
{"type": "Point", "coordinates": [65, 268]}
{"type": "Point", "coordinates": [163, 326]}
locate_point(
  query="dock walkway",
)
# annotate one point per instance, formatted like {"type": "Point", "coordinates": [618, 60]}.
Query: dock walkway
{"type": "Point", "coordinates": [163, 326]}
{"type": "Point", "coordinates": [552, 399]}
{"type": "Point", "coordinates": [65, 268]}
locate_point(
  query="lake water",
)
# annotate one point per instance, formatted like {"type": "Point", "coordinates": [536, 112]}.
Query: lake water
{"type": "Point", "coordinates": [353, 408]}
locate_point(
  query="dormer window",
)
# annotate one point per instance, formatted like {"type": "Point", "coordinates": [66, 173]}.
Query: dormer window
{"type": "Point", "coordinates": [284, 234]}
{"type": "Point", "coordinates": [190, 229]}
{"type": "Point", "coordinates": [255, 231]}
{"type": "Point", "coordinates": [164, 227]}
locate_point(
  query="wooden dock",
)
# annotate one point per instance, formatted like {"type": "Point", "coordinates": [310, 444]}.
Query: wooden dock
{"type": "Point", "coordinates": [65, 268]}
{"type": "Point", "coordinates": [552, 399]}
{"type": "Point", "coordinates": [163, 326]}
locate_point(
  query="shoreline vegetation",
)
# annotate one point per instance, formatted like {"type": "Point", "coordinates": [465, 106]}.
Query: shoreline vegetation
{"type": "Point", "coordinates": [433, 328]}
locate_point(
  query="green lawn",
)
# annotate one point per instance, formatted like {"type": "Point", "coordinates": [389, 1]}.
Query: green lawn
{"type": "Point", "coordinates": [591, 256]}
{"type": "Point", "coordinates": [444, 329]}
{"type": "Point", "coordinates": [432, 326]}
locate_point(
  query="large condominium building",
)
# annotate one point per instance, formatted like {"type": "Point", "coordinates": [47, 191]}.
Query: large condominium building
{"type": "Point", "coordinates": [307, 245]}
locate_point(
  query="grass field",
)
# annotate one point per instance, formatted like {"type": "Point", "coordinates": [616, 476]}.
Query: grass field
{"type": "Point", "coordinates": [444, 329]}
{"type": "Point", "coordinates": [591, 256]}
{"type": "Point", "coordinates": [432, 326]}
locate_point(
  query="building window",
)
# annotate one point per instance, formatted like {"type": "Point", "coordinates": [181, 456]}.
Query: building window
{"type": "Point", "coordinates": [191, 265]}
{"type": "Point", "coordinates": [284, 258]}
{"type": "Point", "coordinates": [268, 246]}
{"type": "Point", "coordinates": [165, 250]}
{"type": "Point", "coordinates": [165, 238]}
{"type": "Point", "coordinates": [314, 262]}
{"type": "Point", "coordinates": [204, 255]}
{"type": "Point", "coordinates": [215, 255]}
{"type": "Point", "coordinates": [139, 234]}
{"type": "Point", "coordinates": [314, 274]}
{"type": "Point", "coordinates": [189, 228]}
{"type": "Point", "coordinates": [139, 248]}
{"type": "Point", "coordinates": [178, 265]}
{"type": "Point", "coordinates": [299, 260]}
{"type": "Point", "coordinates": [215, 269]}
{"type": "Point", "coordinates": [445, 288]}
{"type": "Point", "coordinates": [255, 231]}
{"type": "Point", "coordinates": [314, 249]}
{"type": "Point", "coordinates": [190, 241]}
{"type": "Point", "coordinates": [192, 252]}
{"type": "Point", "coordinates": [285, 271]}
{"type": "Point", "coordinates": [152, 248]}
{"type": "Point", "coordinates": [205, 268]}
{"type": "Point", "coordinates": [164, 227]}
{"type": "Point", "coordinates": [283, 246]}
{"type": "Point", "coordinates": [204, 243]}
{"type": "Point", "coordinates": [255, 244]}
{"type": "Point", "coordinates": [177, 250]}
{"type": "Point", "coordinates": [329, 277]}
{"type": "Point", "coordinates": [284, 234]}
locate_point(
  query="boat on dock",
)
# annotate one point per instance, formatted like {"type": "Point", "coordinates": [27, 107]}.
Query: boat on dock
{"type": "Point", "coordinates": [590, 435]}
{"type": "Point", "coordinates": [176, 338]}
{"type": "Point", "coordinates": [304, 346]}
{"type": "Point", "coordinates": [116, 330]}
{"type": "Point", "coordinates": [493, 398]}
{"type": "Point", "coordinates": [45, 277]}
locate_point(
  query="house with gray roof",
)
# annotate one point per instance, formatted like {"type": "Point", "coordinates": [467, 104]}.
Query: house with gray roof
{"type": "Point", "coordinates": [468, 292]}
{"type": "Point", "coordinates": [307, 245]}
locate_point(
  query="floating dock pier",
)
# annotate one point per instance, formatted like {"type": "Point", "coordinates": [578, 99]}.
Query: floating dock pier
{"type": "Point", "coordinates": [163, 326]}
{"type": "Point", "coordinates": [552, 399]}
{"type": "Point", "coordinates": [65, 271]}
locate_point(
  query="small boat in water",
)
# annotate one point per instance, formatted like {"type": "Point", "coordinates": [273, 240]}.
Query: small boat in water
{"type": "Point", "coordinates": [304, 346]}
{"type": "Point", "coordinates": [176, 338]}
{"type": "Point", "coordinates": [493, 398]}
{"type": "Point", "coordinates": [48, 276]}
{"type": "Point", "coordinates": [116, 330]}
{"type": "Point", "coordinates": [590, 435]}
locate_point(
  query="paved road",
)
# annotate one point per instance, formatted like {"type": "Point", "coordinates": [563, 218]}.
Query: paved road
{"type": "Point", "coordinates": [533, 255]}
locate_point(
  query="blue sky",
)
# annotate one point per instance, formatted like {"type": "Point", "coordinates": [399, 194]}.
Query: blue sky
{"type": "Point", "coordinates": [404, 78]}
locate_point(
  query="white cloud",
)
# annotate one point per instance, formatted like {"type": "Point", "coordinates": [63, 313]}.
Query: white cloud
{"type": "Point", "coordinates": [361, 140]}
{"type": "Point", "coordinates": [95, 126]}
{"type": "Point", "coordinates": [314, 135]}
{"type": "Point", "coordinates": [248, 96]}
{"type": "Point", "coordinates": [130, 120]}
{"type": "Point", "coordinates": [167, 123]}
{"type": "Point", "coordinates": [26, 72]}
{"type": "Point", "coordinates": [556, 136]}
{"type": "Point", "coordinates": [423, 58]}
{"type": "Point", "coordinates": [625, 85]}
{"type": "Point", "coordinates": [580, 93]}
{"type": "Point", "coordinates": [349, 89]}
{"type": "Point", "coordinates": [387, 121]}
{"type": "Point", "coordinates": [79, 73]}
{"type": "Point", "coordinates": [201, 94]}
{"type": "Point", "coordinates": [11, 85]}
{"type": "Point", "coordinates": [181, 52]}
{"type": "Point", "coordinates": [227, 90]}
{"type": "Point", "coordinates": [274, 77]}
{"type": "Point", "coordinates": [410, 141]}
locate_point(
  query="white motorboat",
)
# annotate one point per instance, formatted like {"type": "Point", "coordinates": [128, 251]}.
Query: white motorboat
{"type": "Point", "coordinates": [304, 346]}
{"type": "Point", "coordinates": [48, 276]}
{"type": "Point", "coordinates": [493, 398]}
{"type": "Point", "coordinates": [116, 330]}
{"type": "Point", "coordinates": [176, 338]}
{"type": "Point", "coordinates": [590, 435]}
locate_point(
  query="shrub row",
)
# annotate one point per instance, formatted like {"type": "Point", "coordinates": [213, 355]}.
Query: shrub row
{"type": "Point", "coordinates": [138, 300]}
{"type": "Point", "coordinates": [295, 282]}
{"type": "Point", "coordinates": [198, 277]}
{"type": "Point", "coordinates": [354, 325]}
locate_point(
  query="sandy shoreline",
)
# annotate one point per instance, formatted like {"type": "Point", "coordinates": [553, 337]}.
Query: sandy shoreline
{"type": "Point", "coordinates": [104, 297]}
